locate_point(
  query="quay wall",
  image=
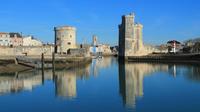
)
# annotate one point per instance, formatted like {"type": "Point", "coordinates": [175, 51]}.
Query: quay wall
{"type": "Point", "coordinates": [26, 50]}
{"type": "Point", "coordinates": [186, 58]}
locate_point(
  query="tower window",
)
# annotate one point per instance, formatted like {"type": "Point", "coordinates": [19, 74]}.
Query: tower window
{"type": "Point", "coordinates": [69, 43]}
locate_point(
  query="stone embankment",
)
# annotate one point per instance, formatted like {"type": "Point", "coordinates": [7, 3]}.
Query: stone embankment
{"type": "Point", "coordinates": [20, 63]}
{"type": "Point", "coordinates": [185, 58]}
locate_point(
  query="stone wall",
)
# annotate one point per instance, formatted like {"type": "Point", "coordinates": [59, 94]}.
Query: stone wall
{"type": "Point", "coordinates": [26, 50]}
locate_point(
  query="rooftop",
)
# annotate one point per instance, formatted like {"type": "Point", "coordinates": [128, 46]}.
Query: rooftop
{"type": "Point", "coordinates": [3, 33]}
{"type": "Point", "coordinates": [15, 34]}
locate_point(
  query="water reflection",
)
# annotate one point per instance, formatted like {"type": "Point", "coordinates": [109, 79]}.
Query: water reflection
{"type": "Point", "coordinates": [65, 81]}
{"type": "Point", "coordinates": [102, 63]}
{"type": "Point", "coordinates": [66, 85]}
{"type": "Point", "coordinates": [16, 82]}
{"type": "Point", "coordinates": [131, 78]}
{"type": "Point", "coordinates": [193, 73]}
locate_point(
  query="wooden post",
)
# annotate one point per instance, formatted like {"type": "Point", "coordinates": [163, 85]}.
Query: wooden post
{"type": "Point", "coordinates": [16, 62]}
{"type": "Point", "coordinates": [42, 62]}
{"type": "Point", "coordinates": [53, 60]}
{"type": "Point", "coordinates": [53, 65]}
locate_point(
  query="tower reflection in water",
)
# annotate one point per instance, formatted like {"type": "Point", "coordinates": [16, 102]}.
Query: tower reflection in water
{"type": "Point", "coordinates": [131, 76]}
{"type": "Point", "coordinates": [19, 81]}
{"type": "Point", "coordinates": [66, 85]}
{"type": "Point", "coordinates": [65, 81]}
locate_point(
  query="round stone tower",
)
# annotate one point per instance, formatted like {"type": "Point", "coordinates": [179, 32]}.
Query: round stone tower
{"type": "Point", "coordinates": [65, 38]}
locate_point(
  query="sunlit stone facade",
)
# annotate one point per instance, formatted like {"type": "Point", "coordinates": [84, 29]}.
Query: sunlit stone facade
{"type": "Point", "coordinates": [65, 38]}
{"type": "Point", "coordinates": [138, 37]}
{"type": "Point", "coordinates": [31, 41]}
{"type": "Point", "coordinates": [4, 39]}
{"type": "Point", "coordinates": [131, 37]}
{"type": "Point", "coordinates": [16, 39]}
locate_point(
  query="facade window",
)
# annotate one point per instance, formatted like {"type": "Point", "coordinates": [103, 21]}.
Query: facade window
{"type": "Point", "coordinates": [70, 36]}
{"type": "Point", "coordinates": [69, 43]}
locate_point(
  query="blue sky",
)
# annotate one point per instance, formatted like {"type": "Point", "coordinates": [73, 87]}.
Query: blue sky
{"type": "Point", "coordinates": [162, 19]}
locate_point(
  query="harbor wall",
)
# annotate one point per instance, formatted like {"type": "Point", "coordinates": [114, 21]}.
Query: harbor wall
{"type": "Point", "coordinates": [26, 50]}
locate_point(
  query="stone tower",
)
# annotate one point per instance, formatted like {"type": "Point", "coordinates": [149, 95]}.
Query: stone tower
{"type": "Point", "coordinates": [130, 36]}
{"type": "Point", "coordinates": [65, 38]}
{"type": "Point", "coordinates": [138, 37]}
{"type": "Point", "coordinates": [126, 34]}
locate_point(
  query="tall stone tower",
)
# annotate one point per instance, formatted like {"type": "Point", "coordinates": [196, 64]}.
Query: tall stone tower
{"type": "Point", "coordinates": [130, 36]}
{"type": "Point", "coordinates": [65, 38]}
{"type": "Point", "coordinates": [126, 34]}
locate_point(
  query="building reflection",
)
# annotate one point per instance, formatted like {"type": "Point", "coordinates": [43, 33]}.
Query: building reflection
{"type": "Point", "coordinates": [101, 63]}
{"type": "Point", "coordinates": [66, 85]}
{"type": "Point", "coordinates": [193, 73]}
{"type": "Point", "coordinates": [65, 80]}
{"type": "Point", "coordinates": [19, 81]}
{"type": "Point", "coordinates": [131, 76]}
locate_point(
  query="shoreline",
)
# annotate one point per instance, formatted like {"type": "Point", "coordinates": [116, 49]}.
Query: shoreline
{"type": "Point", "coordinates": [173, 58]}
{"type": "Point", "coordinates": [8, 63]}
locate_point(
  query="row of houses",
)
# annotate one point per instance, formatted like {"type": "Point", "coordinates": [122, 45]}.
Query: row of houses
{"type": "Point", "coordinates": [174, 46]}
{"type": "Point", "coordinates": [16, 39]}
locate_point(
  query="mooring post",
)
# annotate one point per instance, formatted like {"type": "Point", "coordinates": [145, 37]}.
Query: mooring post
{"type": "Point", "coordinates": [53, 60]}
{"type": "Point", "coordinates": [42, 62]}
{"type": "Point", "coordinates": [16, 61]}
{"type": "Point", "coordinates": [53, 65]}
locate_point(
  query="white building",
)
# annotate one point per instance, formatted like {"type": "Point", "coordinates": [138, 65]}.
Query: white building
{"type": "Point", "coordinates": [5, 39]}
{"type": "Point", "coordinates": [94, 50]}
{"type": "Point", "coordinates": [102, 49]}
{"type": "Point", "coordinates": [30, 41]}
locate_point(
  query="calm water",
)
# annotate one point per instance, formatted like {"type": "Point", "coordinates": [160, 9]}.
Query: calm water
{"type": "Point", "coordinates": [104, 86]}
